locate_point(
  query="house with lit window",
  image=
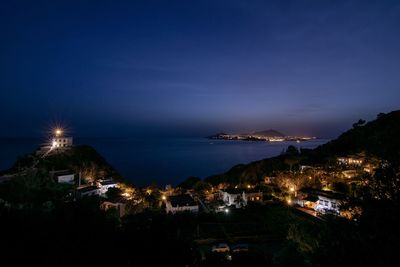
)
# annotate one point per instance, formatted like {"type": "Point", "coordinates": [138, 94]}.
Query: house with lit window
{"type": "Point", "coordinates": [254, 196]}
{"type": "Point", "coordinates": [324, 202]}
{"type": "Point", "coordinates": [233, 197]}
{"type": "Point", "coordinates": [351, 160]}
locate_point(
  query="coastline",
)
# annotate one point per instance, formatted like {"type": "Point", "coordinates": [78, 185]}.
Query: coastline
{"type": "Point", "coordinates": [163, 161]}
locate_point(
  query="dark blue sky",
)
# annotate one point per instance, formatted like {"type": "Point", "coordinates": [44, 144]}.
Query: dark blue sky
{"type": "Point", "coordinates": [184, 67]}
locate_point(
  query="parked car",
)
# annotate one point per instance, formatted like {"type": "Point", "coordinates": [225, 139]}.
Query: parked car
{"type": "Point", "coordinates": [240, 248]}
{"type": "Point", "coordinates": [221, 247]}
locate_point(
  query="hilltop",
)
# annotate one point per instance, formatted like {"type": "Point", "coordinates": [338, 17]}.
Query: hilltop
{"type": "Point", "coordinates": [379, 137]}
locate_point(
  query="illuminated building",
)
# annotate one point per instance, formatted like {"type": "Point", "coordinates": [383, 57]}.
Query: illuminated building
{"type": "Point", "coordinates": [181, 203]}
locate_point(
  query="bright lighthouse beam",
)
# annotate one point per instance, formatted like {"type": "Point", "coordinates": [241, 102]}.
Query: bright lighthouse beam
{"type": "Point", "coordinates": [58, 132]}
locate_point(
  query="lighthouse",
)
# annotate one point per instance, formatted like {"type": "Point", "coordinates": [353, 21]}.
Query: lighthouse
{"type": "Point", "coordinates": [61, 141]}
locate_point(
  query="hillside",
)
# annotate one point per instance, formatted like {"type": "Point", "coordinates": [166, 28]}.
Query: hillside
{"type": "Point", "coordinates": [379, 137]}
{"type": "Point", "coordinates": [82, 158]}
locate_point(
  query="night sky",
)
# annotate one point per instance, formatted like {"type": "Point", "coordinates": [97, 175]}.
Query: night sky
{"type": "Point", "coordinates": [116, 68]}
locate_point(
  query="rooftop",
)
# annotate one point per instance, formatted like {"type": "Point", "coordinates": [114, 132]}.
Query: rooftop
{"type": "Point", "coordinates": [323, 193]}
{"type": "Point", "coordinates": [88, 188]}
{"type": "Point", "coordinates": [311, 198]}
{"type": "Point", "coordinates": [107, 182]}
{"type": "Point", "coordinates": [182, 200]}
{"type": "Point", "coordinates": [61, 172]}
{"type": "Point", "coordinates": [234, 191]}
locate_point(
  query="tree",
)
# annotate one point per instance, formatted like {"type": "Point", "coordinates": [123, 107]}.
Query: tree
{"type": "Point", "coordinates": [359, 123]}
{"type": "Point", "coordinates": [380, 115]}
{"type": "Point", "coordinates": [292, 151]}
{"type": "Point", "coordinates": [113, 193]}
{"type": "Point", "coordinates": [385, 184]}
{"type": "Point", "coordinates": [340, 187]}
{"type": "Point", "coordinates": [201, 187]}
{"type": "Point", "coordinates": [189, 182]}
{"type": "Point", "coordinates": [291, 161]}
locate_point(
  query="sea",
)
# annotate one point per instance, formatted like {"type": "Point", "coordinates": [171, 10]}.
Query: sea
{"type": "Point", "coordinates": [164, 161]}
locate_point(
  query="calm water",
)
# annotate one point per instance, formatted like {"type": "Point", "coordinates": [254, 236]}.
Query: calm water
{"type": "Point", "coordinates": [166, 160]}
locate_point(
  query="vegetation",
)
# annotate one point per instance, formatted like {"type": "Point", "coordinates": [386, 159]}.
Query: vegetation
{"type": "Point", "coordinates": [189, 182]}
{"type": "Point", "coordinates": [379, 138]}
{"type": "Point", "coordinates": [80, 159]}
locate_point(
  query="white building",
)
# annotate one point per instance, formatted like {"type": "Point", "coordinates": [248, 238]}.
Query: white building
{"type": "Point", "coordinates": [65, 178]}
{"type": "Point", "coordinates": [236, 197]}
{"type": "Point", "coordinates": [351, 160]}
{"type": "Point", "coordinates": [181, 203]}
{"type": "Point", "coordinates": [324, 201]}
{"type": "Point", "coordinates": [326, 205]}
{"type": "Point", "coordinates": [104, 185]}
{"type": "Point", "coordinates": [62, 142]}
{"type": "Point", "coordinates": [87, 191]}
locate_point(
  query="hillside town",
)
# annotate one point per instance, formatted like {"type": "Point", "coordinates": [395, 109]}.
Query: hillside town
{"type": "Point", "coordinates": [222, 217]}
{"type": "Point", "coordinates": [316, 190]}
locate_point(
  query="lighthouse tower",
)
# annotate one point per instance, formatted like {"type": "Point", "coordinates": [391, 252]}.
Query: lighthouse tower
{"type": "Point", "coordinates": [61, 141]}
